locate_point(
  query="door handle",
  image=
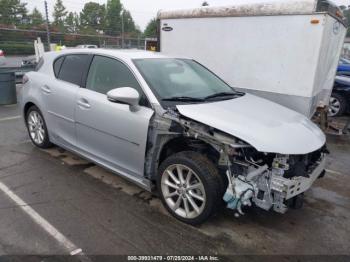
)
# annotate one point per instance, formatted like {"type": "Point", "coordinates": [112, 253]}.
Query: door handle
{"type": "Point", "coordinates": [84, 103]}
{"type": "Point", "coordinates": [46, 89]}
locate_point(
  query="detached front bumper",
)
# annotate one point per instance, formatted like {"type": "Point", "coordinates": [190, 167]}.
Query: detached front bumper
{"type": "Point", "coordinates": [291, 187]}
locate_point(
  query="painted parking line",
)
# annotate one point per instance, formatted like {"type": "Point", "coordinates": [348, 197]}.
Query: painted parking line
{"type": "Point", "coordinates": [9, 118]}
{"type": "Point", "coordinates": [43, 223]}
{"type": "Point", "coordinates": [333, 172]}
{"type": "Point", "coordinates": [13, 105]}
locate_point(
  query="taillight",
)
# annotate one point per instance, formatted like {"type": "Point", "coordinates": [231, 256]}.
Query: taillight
{"type": "Point", "coordinates": [25, 79]}
{"type": "Point", "coordinates": [2, 53]}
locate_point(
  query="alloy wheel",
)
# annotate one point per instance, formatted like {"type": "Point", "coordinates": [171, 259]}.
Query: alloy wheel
{"type": "Point", "coordinates": [183, 191]}
{"type": "Point", "coordinates": [334, 106]}
{"type": "Point", "coordinates": [36, 127]}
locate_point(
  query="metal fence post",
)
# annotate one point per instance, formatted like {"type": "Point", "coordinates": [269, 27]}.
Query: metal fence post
{"type": "Point", "coordinates": [47, 26]}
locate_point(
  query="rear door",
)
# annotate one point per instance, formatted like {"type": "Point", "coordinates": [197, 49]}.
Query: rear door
{"type": "Point", "coordinates": [109, 132]}
{"type": "Point", "coordinates": [61, 96]}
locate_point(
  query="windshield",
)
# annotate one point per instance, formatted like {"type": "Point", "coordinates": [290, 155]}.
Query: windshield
{"type": "Point", "coordinates": [182, 80]}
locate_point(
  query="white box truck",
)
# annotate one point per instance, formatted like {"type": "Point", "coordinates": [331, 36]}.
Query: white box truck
{"type": "Point", "coordinates": [287, 51]}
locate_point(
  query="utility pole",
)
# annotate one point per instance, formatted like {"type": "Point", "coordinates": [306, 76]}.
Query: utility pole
{"type": "Point", "coordinates": [122, 29]}
{"type": "Point", "coordinates": [47, 26]}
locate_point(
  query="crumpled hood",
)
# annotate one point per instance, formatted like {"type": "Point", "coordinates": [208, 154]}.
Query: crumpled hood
{"type": "Point", "coordinates": [267, 126]}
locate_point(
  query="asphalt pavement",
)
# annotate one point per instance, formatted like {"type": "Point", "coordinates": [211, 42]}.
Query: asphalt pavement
{"type": "Point", "coordinates": [54, 203]}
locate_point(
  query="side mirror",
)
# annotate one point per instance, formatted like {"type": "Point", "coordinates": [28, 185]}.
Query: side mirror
{"type": "Point", "coordinates": [125, 95]}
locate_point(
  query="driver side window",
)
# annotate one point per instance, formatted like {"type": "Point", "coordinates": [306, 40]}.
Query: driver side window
{"type": "Point", "coordinates": [107, 73]}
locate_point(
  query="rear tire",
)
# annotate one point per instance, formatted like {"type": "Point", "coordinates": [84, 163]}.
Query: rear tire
{"type": "Point", "coordinates": [37, 129]}
{"type": "Point", "coordinates": [189, 187]}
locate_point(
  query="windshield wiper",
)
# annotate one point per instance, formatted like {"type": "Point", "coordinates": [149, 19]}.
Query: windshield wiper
{"type": "Point", "coordinates": [183, 99]}
{"type": "Point", "coordinates": [221, 94]}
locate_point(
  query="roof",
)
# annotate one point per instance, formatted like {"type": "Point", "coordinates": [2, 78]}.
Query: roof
{"type": "Point", "coordinates": [260, 9]}
{"type": "Point", "coordinates": [119, 53]}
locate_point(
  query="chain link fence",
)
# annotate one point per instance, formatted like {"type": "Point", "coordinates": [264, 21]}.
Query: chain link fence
{"type": "Point", "coordinates": [21, 42]}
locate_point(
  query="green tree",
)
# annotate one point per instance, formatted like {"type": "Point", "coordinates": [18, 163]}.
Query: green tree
{"type": "Point", "coordinates": [72, 23]}
{"type": "Point", "coordinates": [93, 16]}
{"type": "Point", "coordinates": [151, 28]}
{"type": "Point", "coordinates": [13, 12]}
{"type": "Point", "coordinates": [59, 15]}
{"type": "Point", "coordinates": [113, 17]}
{"type": "Point", "coordinates": [36, 18]}
{"type": "Point", "coordinates": [129, 24]}
{"type": "Point", "coordinates": [69, 22]}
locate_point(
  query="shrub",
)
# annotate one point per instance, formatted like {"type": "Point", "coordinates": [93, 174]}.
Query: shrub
{"type": "Point", "coordinates": [17, 48]}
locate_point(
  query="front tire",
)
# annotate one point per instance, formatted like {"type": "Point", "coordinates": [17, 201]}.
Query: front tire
{"type": "Point", "coordinates": [37, 129]}
{"type": "Point", "coordinates": [189, 187]}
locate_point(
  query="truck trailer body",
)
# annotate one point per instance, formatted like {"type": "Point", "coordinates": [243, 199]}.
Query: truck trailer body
{"type": "Point", "coordinates": [286, 52]}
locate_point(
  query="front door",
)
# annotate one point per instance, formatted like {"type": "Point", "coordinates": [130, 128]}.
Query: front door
{"type": "Point", "coordinates": [106, 131]}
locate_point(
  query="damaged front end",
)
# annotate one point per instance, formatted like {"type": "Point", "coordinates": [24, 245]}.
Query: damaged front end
{"type": "Point", "coordinates": [267, 180]}
{"type": "Point", "coordinates": [271, 181]}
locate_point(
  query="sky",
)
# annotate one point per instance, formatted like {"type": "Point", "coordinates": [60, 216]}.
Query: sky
{"type": "Point", "coordinates": [144, 10]}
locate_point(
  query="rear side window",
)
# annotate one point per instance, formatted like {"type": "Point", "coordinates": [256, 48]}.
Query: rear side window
{"type": "Point", "coordinates": [73, 68]}
{"type": "Point", "coordinates": [57, 65]}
